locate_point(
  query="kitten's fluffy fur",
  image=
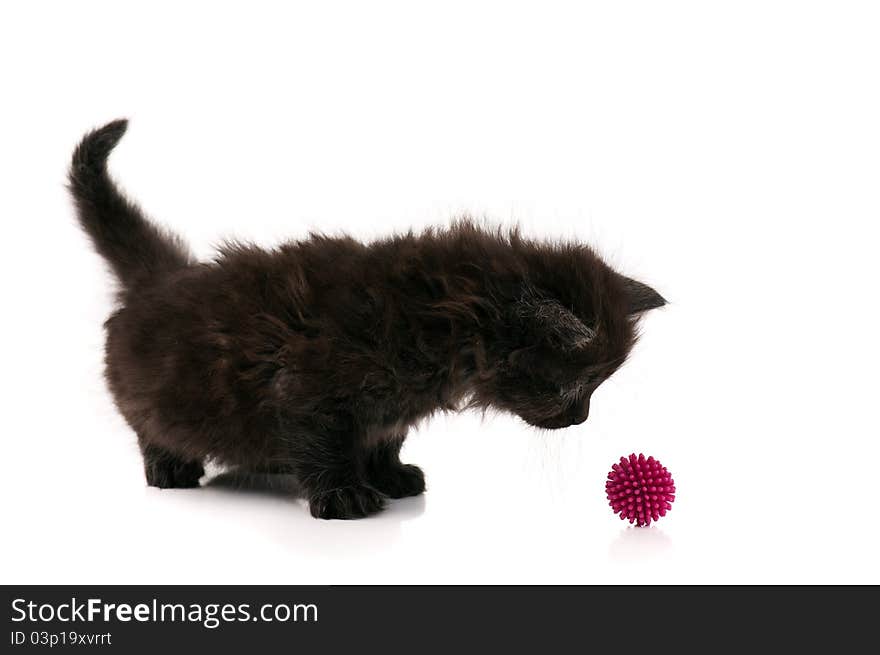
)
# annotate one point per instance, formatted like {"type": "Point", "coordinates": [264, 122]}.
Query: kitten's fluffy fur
{"type": "Point", "coordinates": [315, 358]}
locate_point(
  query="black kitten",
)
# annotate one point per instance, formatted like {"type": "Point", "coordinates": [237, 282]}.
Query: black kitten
{"type": "Point", "coordinates": [316, 358]}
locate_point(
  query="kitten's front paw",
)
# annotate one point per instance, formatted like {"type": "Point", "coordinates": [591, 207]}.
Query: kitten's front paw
{"type": "Point", "coordinates": [400, 481]}
{"type": "Point", "coordinates": [351, 502]}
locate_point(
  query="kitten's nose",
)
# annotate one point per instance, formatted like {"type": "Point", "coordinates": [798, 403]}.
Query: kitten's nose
{"type": "Point", "coordinates": [586, 409]}
{"type": "Point", "coordinates": [582, 415]}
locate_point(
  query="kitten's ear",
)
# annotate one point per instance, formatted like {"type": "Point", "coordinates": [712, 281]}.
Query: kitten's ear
{"type": "Point", "coordinates": [640, 296]}
{"type": "Point", "coordinates": [550, 321]}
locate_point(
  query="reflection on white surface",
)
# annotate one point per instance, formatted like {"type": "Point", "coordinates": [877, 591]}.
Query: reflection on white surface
{"type": "Point", "coordinates": [273, 505]}
{"type": "Point", "coordinates": [634, 544]}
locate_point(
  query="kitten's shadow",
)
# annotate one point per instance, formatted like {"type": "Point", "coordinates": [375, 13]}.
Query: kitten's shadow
{"type": "Point", "coordinates": [259, 483]}
{"type": "Point", "coordinates": [275, 503]}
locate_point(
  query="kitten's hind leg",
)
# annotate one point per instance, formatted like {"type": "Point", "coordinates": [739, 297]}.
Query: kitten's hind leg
{"type": "Point", "coordinates": [169, 471]}
{"type": "Point", "coordinates": [386, 473]}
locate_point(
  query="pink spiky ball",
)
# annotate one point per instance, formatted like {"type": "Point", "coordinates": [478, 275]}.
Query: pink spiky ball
{"type": "Point", "coordinates": [640, 489]}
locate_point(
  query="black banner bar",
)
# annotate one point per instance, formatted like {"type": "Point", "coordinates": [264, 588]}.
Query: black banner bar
{"type": "Point", "coordinates": [221, 619]}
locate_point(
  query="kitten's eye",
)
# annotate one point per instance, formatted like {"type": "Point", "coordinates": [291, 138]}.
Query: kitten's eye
{"type": "Point", "coordinates": [582, 387]}
{"type": "Point", "coordinates": [572, 391]}
{"type": "Point", "coordinates": [593, 377]}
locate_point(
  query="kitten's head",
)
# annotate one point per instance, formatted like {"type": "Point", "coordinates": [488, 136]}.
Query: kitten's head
{"type": "Point", "coordinates": [561, 347]}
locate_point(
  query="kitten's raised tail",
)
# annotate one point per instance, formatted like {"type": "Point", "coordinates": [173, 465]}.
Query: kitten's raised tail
{"type": "Point", "coordinates": [135, 248]}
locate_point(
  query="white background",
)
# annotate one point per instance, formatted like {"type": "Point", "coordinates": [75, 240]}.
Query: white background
{"type": "Point", "coordinates": [727, 153]}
